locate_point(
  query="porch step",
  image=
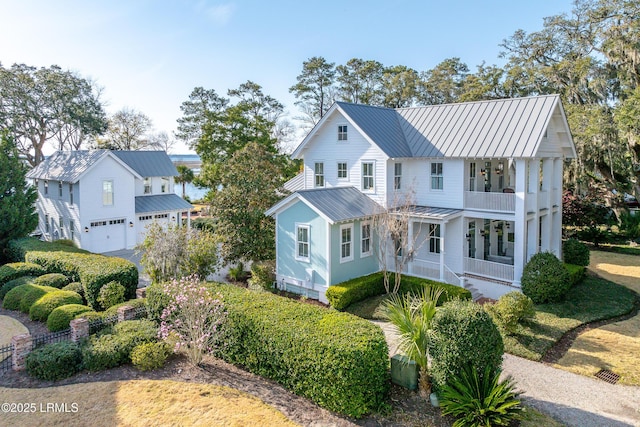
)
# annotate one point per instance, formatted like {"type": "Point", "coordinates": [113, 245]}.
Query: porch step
{"type": "Point", "coordinates": [475, 293]}
{"type": "Point", "coordinates": [489, 279]}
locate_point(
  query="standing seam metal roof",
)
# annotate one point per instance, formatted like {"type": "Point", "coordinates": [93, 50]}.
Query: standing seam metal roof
{"type": "Point", "coordinates": [161, 203]}
{"type": "Point", "coordinates": [148, 163]}
{"type": "Point", "coordinates": [340, 203]}
{"type": "Point", "coordinates": [494, 128]}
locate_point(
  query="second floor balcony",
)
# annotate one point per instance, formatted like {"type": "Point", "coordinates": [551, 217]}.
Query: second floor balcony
{"type": "Point", "coordinates": [490, 201]}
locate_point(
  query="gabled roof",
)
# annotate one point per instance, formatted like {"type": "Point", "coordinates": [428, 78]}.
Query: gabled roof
{"type": "Point", "coordinates": [483, 129]}
{"type": "Point", "coordinates": [69, 166]}
{"type": "Point", "coordinates": [161, 203]}
{"type": "Point", "coordinates": [336, 204]}
{"type": "Point", "coordinates": [148, 163]}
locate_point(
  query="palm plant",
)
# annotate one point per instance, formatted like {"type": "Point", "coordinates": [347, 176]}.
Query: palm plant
{"type": "Point", "coordinates": [185, 177]}
{"type": "Point", "coordinates": [481, 400]}
{"type": "Point", "coordinates": [411, 315]}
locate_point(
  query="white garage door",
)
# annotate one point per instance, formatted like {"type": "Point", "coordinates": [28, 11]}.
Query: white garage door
{"type": "Point", "coordinates": [108, 235]}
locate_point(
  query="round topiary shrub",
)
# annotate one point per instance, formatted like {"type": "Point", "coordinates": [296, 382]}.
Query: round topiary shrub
{"type": "Point", "coordinates": [463, 334]}
{"type": "Point", "coordinates": [510, 309]}
{"type": "Point", "coordinates": [111, 293]}
{"type": "Point", "coordinates": [150, 356]}
{"type": "Point", "coordinates": [33, 294]}
{"type": "Point", "coordinates": [544, 278]}
{"type": "Point", "coordinates": [55, 280]}
{"type": "Point", "coordinates": [13, 298]}
{"type": "Point", "coordinates": [60, 317]}
{"type": "Point", "coordinates": [55, 361]}
{"type": "Point", "coordinates": [75, 287]}
{"type": "Point", "coordinates": [41, 309]}
{"type": "Point", "coordinates": [13, 284]}
{"type": "Point", "coordinates": [14, 270]}
{"type": "Point", "coordinates": [575, 252]}
{"type": "Point", "coordinates": [90, 316]}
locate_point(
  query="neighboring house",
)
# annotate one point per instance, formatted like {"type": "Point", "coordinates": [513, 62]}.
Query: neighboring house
{"type": "Point", "coordinates": [486, 179]}
{"type": "Point", "coordinates": [103, 200]}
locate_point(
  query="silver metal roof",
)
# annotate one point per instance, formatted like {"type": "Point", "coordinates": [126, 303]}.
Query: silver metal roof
{"type": "Point", "coordinates": [495, 128]}
{"type": "Point", "coordinates": [66, 166]}
{"type": "Point", "coordinates": [294, 184]}
{"type": "Point", "coordinates": [340, 203]}
{"type": "Point", "coordinates": [161, 203]}
{"type": "Point", "coordinates": [429, 212]}
{"type": "Point", "coordinates": [148, 163]}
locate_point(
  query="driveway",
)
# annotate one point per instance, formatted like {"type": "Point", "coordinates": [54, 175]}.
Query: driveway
{"type": "Point", "coordinates": [572, 399]}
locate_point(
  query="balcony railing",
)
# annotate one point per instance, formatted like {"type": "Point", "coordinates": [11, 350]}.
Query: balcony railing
{"type": "Point", "coordinates": [495, 270]}
{"type": "Point", "coordinates": [505, 202]}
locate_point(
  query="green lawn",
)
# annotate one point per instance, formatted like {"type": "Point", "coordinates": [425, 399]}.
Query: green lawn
{"type": "Point", "coordinates": [592, 300]}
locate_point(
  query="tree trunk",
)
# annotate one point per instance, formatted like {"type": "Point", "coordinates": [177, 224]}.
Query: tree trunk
{"type": "Point", "coordinates": [424, 383]}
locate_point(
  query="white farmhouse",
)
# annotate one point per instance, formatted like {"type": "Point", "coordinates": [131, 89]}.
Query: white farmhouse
{"type": "Point", "coordinates": [487, 184]}
{"type": "Point", "coordinates": [102, 199]}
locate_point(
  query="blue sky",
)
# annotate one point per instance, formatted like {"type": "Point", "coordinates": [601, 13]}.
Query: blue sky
{"type": "Point", "coordinates": [149, 55]}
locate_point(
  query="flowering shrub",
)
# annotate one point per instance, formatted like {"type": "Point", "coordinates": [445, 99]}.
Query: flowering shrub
{"type": "Point", "coordinates": [193, 316]}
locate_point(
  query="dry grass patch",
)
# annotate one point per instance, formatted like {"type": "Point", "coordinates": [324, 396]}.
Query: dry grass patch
{"type": "Point", "coordinates": [619, 268]}
{"type": "Point", "coordinates": [10, 327]}
{"type": "Point", "coordinates": [141, 403]}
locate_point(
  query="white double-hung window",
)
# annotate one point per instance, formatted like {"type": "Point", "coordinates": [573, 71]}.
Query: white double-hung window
{"type": "Point", "coordinates": [302, 242]}
{"type": "Point", "coordinates": [346, 242]}
{"type": "Point", "coordinates": [318, 173]}
{"type": "Point", "coordinates": [437, 179]}
{"type": "Point", "coordinates": [365, 242]}
{"type": "Point", "coordinates": [107, 193]}
{"type": "Point", "coordinates": [368, 181]}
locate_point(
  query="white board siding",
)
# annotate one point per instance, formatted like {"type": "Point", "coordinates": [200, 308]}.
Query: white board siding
{"type": "Point", "coordinates": [417, 173]}
{"type": "Point", "coordinates": [326, 148]}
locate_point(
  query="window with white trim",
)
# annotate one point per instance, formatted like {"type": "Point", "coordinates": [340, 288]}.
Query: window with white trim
{"type": "Point", "coordinates": [164, 185]}
{"type": "Point", "coordinates": [60, 189]}
{"type": "Point", "coordinates": [434, 238]}
{"type": "Point", "coordinates": [437, 179]}
{"type": "Point", "coordinates": [318, 174]}
{"type": "Point", "coordinates": [70, 193]}
{"type": "Point", "coordinates": [46, 187]}
{"type": "Point", "coordinates": [302, 242]}
{"type": "Point", "coordinates": [107, 193]}
{"type": "Point", "coordinates": [61, 227]}
{"type": "Point", "coordinates": [346, 242]}
{"type": "Point", "coordinates": [342, 132]}
{"type": "Point", "coordinates": [46, 223]}
{"type": "Point", "coordinates": [147, 185]}
{"type": "Point", "coordinates": [365, 239]}
{"type": "Point", "coordinates": [397, 176]}
{"type": "Point", "coordinates": [72, 229]}
{"type": "Point", "coordinates": [472, 176]}
{"type": "Point", "coordinates": [342, 170]}
{"type": "Point", "coordinates": [367, 176]}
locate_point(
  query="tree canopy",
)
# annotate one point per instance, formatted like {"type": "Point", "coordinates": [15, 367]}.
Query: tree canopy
{"type": "Point", "coordinates": [17, 199]}
{"type": "Point", "coordinates": [38, 105]}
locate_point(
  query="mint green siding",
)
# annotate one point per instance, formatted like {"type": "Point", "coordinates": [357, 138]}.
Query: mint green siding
{"type": "Point", "coordinates": [359, 266]}
{"type": "Point", "coordinates": [288, 265]}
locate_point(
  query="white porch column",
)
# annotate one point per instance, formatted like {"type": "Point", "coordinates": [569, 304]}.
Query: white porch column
{"type": "Point", "coordinates": [443, 232]}
{"type": "Point", "coordinates": [411, 241]}
{"type": "Point", "coordinates": [520, 222]}
{"type": "Point", "coordinates": [556, 207]}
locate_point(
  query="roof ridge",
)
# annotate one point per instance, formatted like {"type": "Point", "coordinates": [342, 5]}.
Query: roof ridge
{"type": "Point", "coordinates": [481, 101]}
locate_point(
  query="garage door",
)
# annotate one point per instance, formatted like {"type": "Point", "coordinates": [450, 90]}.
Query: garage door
{"type": "Point", "coordinates": [108, 235]}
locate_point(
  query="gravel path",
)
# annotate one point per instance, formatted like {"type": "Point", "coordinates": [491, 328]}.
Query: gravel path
{"type": "Point", "coordinates": [572, 399]}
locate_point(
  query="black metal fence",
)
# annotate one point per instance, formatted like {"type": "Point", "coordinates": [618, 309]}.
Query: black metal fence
{"type": "Point", "coordinates": [51, 337]}
{"type": "Point", "coordinates": [5, 357]}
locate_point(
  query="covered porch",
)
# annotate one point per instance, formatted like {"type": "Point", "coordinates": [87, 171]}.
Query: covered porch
{"type": "Point", "coordinates": [489, 248]}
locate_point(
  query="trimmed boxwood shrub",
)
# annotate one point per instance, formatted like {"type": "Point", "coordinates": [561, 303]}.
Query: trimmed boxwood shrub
{"type": "Point", "coordinates": [93, 271]}
{"type": "Point", "coordinates": [33, 294]}
{"type": "Point", "coordinates": [17, 249]}
{"type": "Point", "coordinates": [55, 280]}
{"type": "Point", "coordinates": [336, 359]}
{"type": "Point", "coordinates": [55, 361]}
{"type": "Point", "coordinates": [90, 315]}
{"type": "Point", "coordinates": [75, 287]}
{"type": "Point", "coordinates": [510, 309]}
{"type": "Point", "coordinates": [344, 294]}
{"type": "Point", "coordinates": [111, 294]}
{"type": "Point", "coordinates": [135, 303]}
{"type": "Point", "coordinates": [150, 355]}
{"type": "Point", "coordinates": [576, 273]}
{"type": "Point", "coordinates": [19, 269]}
{"type": "Point", "coordinates": [263, 274]}
{"type": "Point", "coordinates": [544, 278]}
{"type": "Point", "coordinates": [61, 316]}
{"type": "Point", "coordinates": [13, 297]}
{"type": "Point", "coordinates": [13, 284]}
{"type": "Point", "coordinates": [575, 252]}
{"type": "Point", "coordinates": [112, 349]}
{"type": "Point", "coordinates": [42, 308]}
{"type": "Point", "coordinates": [463, 334]}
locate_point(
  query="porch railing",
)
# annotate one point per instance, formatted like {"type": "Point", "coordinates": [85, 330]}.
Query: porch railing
{"type": "Point", "coordinates": [490, 269]}
{"type": "Point", "coordinates": [426, 269]}
{"type": "Point", "coordinates": [505, 202]}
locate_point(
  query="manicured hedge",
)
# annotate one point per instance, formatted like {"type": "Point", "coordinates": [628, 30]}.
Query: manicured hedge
{"type": "Point", "coordinates": [575, 252]}
{"type": "Point", "coordinates": [14, 284]}
{"type": "Point", "coordinates": [135, 303]}
{"type": "Point", "coordinates": [55, 280]}
{"type": "Point", "coordinates": [92, 270]}
{"type": "Point", "coordinates": [33, 294]}
{"type": "Point", "coordinates": [19, 269]}
{"type": "Point", "coordinates": [17, 249]}
{"type": "Point", "coordinates": [55, 361]}
{"type": "Point", "coordinates": [576, 273]}
{"type": "Point", "coordinates": [43, 307]}
{"type": "Point", "coordinates": [344, 294]}
{"type": "Point", "coordinates": [336, 359]}
{"type": "Point", "coordinates": [61, 316]}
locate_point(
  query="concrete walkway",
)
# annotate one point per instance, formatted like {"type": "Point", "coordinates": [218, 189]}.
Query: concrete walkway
{"type": "Point", "coordinates": [572, 399]}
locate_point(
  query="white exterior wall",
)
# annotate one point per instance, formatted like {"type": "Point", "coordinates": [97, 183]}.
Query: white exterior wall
{"type": "Point", "coordinates": [452, 194]}
{"type": "Point", "coordinates": [54, 206]}
{"type": "Point", "coordinates": [156, 186]}
{"type": "Point", "coordinates": [326, 148]}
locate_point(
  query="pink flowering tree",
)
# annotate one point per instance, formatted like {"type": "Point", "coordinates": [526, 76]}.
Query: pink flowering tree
{"type": "Point", "coordinates": [193, 316]}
